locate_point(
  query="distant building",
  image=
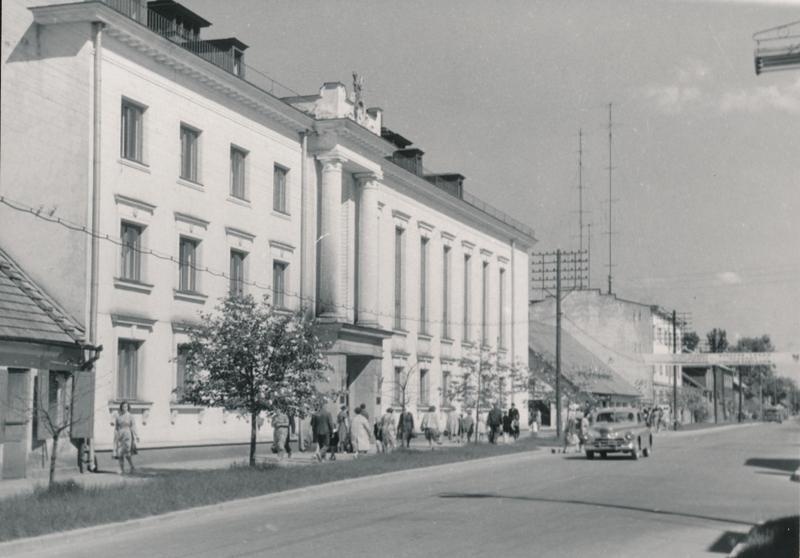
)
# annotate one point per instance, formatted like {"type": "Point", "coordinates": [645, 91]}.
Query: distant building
{"type": "Point", "coordinates": [616, 330]}
{"type": "Point", "coordinates": [198, 183]}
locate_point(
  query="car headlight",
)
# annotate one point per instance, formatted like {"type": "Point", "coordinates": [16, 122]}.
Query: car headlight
{"type": "Point", "coordinates": [628, 436]}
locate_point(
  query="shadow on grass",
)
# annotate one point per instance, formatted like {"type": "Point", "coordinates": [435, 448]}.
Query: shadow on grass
{"type": "Point", "coordinates": [780, 464]}
{"type": "Point", "coordinates": [478, 495]}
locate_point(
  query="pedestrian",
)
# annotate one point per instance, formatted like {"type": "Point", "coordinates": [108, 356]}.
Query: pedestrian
{"type": "Point", "coordinates": [388, 430]}
{"type": "Point", "coordinates": [343, 429]}
{"type": "Point", "coordinates": [513, 414]}
{"type": "Point", "coordinates": [539, 418]}
{"type": "Point", "coordinates": [494, 421]}
{"type": "Point", "coordinates": [364, 412]}
{"type": "Point", "coordinates": [405, 427]}
{"type": "Point", "coordinates": [570, 435]}
{"type": "Point", "coordinates": [506, 426]}
{"type": "Point", "coordinates": [322, 427]}
{"type": "Point", "coordinates": [280, 435]}
{"type": "Point", "coordinates": [360, 433]}
{"type": "Point", "coordinates": [126, 438]}
{"type": "Point", "coordinates": [583, 432]}
{"type": "Point", "coordinates": [378, 435]}
{"type": "Point", "coordinates": [453, 422]}
{"type": "Point", "coordinates": [467, 427]}
{"type": "Point", "coordinates": [480, 425]}
{"type": "Point", "coordinates": [430, 426]}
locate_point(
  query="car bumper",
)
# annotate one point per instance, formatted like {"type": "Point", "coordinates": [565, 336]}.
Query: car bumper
{"type": "Point", "coordinates": [609, 445]}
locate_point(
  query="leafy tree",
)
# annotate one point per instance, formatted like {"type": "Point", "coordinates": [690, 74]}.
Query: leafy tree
{"type": "Point", "coordinates": [246, 357]}
{"type": "Point", "coordinates": [752, 375]}
{"type": "Point", "coordinates": [401, 385]}
{"type": "Point", "coordinates": [717, 340]}
{"type": "Point", "coordinates": [690, 341]}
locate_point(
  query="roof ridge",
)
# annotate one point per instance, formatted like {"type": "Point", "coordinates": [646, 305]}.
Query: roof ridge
{"type": "Point", "coordinates": [41, 298]}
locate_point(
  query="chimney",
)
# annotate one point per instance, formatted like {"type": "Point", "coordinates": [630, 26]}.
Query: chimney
{"type": "Point", "coordinates": [410, 159]}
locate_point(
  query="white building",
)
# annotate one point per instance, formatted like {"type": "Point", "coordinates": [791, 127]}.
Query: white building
{"type": "Point", "coordinates": [666, 340]}
{"type": "Point", "coordinates": [119, 119]}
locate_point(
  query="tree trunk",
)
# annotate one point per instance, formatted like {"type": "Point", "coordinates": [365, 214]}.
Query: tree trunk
{"type": "Point", "coordinates": [53, 456]}
{"type": "Point", "coordinates": [253, 431]}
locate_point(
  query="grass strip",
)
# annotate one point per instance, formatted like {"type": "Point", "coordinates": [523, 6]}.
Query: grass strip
{"type": "Point", "coordinates": [72, 506]}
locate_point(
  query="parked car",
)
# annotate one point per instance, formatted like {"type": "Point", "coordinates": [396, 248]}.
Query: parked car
{"type": "Point", "coordinates": [619, 430]}
{"type": "Point", "coordinates": [773, 415]}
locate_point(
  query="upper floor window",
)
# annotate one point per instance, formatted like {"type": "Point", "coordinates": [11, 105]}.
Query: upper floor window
{"type": "Point", "coordinates": [279, 284]}
{"type": "Point", "coordinates": [132, 132]}
{"type": "Point", "coordinates": [237, 273]}
{"type": "Point", "coordinates": [131, 251]}
{"type": "Point", "coordinates": [467, 288]}
{"type": "Point", "coordinates": [485, 303]}
{"type": "Point", "coordinates": [446, 292]}
{"type": "Point", "coordinates": [424, 387]}
{"type": "Point", "coordinates": [399, 265]}
{"type": "Point", "coordinates": [189, 149]}
{"type": "Point", "coordinates": [279, 192]}
{"type": "Point", "coordinates": [180, 371]}
{"type": "Point", "coordinates": [187, 265]}
{"type": "Point", "coordinates": [423, 285]}
{"type": "Point", "coordinates": [238, 157]}
{"type": "Point", "coordinates": [501, 305]}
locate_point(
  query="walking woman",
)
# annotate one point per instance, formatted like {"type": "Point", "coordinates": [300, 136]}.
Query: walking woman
{"type": "Point", "coordinates": [125, 437]}
{"type": "Point", "coordinates": [430, 426]}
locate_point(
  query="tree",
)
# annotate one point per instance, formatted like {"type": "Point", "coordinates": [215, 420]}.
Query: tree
{"type": "Point", "coordinates": [401, 387]}
{"type": "Point", "coordinates": [689, 341]}
{"type": "Point", "coordinates": [755, 374]}
{"type": "Point", "coordinates": [717, 340]}
{"type": "Point", "coordinates": [249, 358]}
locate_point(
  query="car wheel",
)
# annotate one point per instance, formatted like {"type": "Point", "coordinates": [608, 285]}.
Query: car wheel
{"type": "Point", "coordinates": [589, 455]}
{"type": "Point", "coordinates": [603, 455]}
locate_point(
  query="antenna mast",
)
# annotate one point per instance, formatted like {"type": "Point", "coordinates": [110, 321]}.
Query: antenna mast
{"type": "Point", "coordinates": [610, 199]}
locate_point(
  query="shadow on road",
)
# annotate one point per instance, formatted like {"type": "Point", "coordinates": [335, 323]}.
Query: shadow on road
{"type": "Point", "coordinates": [726, 542]}
{"type": "Point", "coordinates": [484, 495]}
{"type": "Point", "coordinates": [780, 464]}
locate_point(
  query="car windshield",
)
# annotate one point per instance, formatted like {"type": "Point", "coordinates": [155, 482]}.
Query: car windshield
{"type": "Point", "coordinates": [615, 417]}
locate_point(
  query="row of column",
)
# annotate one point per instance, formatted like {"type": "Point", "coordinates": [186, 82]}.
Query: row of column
{"type": "Point", "coordinates": [333, 258]}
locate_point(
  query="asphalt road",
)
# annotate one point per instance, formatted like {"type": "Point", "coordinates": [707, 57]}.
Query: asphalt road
{"type": "Point", "coordinates": [694, 497]}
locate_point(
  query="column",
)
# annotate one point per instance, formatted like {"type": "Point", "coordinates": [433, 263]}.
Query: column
{"type": "Point", "coordinates": [331, 302]}
{"type": "Point", "coordinates": [368, 238]}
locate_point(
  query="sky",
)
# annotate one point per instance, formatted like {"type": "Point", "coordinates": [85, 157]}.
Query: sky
{"type": "Point", "coordinates": [706, 153]}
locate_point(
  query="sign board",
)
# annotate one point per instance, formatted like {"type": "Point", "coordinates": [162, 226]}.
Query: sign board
{"type": "Point", "coordinates": [722, 359]}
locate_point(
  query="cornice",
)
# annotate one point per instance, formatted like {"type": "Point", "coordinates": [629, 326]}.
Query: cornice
{"type": "Point", "coordinates": [164, 51]}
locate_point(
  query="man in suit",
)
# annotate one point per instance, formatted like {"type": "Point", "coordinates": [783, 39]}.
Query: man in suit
{"type": "Point", "coordinates": [494, 422]}
{"type": "Point", "coordinates": [322, 428]}
{"type": "Point", "coordinates": [405, 427]}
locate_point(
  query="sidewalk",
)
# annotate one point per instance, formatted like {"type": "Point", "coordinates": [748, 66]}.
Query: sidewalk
{"type": "Point", "coordinates": [181, 458]}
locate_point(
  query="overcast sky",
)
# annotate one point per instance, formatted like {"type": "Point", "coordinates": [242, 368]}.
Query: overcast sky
{"type": "Point", "coordinates": [707, 153]}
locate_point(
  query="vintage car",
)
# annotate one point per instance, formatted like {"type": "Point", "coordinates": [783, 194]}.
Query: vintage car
{"type": "Point", "coordinates": [773, 415]}
{"type": "Point", "coordinates": [619, 430]}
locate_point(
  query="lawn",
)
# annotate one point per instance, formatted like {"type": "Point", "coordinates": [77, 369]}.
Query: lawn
{"type": "Point", "coordinates": [70, 506]}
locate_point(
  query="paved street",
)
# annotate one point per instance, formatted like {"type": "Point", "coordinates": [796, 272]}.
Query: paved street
{"type": "Point", "coordinates": [681, 502]}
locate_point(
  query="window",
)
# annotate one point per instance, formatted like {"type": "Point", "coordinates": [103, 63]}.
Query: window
{"type": "Point", "coordinates": [502, 301]}
{"type": "Point", "coordinates": [398, 277]}
{"type": "Point", "coordinates": [279, 201]}
{"type": "Point", "coordinates": [397, 392]}
{"type": "Point", "coordinates": [424, 388]}
{"type": "Point", "coordinates": [127, 369]}
{"type": "Point", "coordinates": [237, 273]}
{"type": "Point", "coordinates": [189, 142]}
{"type": "Point", "coordinates": [446, 292]}
{"type": "Point", "coordinates": [131, 255]}
{"type": "Point", "coordinates": [467, 287]}
{"type": "Point", "coordinates": [445, 387]}
{"type": "Point", "coordinates": [279, 284]}
{"type": "Point", "coordinates": [131, 129]}
{"type": "Point", "coordinates": [187, 265]}
{"type": "Point", "coordinates": [485, 304]}
{"type": "Point", "coordinates": [423, 285]}
{"type": "Point", "coordinates": [237, 173]}
{"type": "Point", "coordinates": [180, 371]}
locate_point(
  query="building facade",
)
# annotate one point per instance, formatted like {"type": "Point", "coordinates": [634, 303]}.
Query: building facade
{"type": "Point", "coordinates": [167, 180]}
{"type": "Point", "coordinates": [666, 340]}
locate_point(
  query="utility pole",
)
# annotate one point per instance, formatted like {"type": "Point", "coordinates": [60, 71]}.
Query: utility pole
{"type": "Point", "coordinates": [589, 257]}
{"type": "Point", "coordinates": [558, 344]}
{"type": "Point", "coordinates": [610, 199]}
{"type": "Point", "coordinates": [714, 373]}
{"type": "Point", "coordinates": [724, 408]}
{"type": "Point", "coordinates": [674, 373]}
{"type": "Point", "coordinates": [741, 389]}
{"type": "Point", "coordinates": [580, 198]}
{"type": "Point", "coordinates": [760, 395]}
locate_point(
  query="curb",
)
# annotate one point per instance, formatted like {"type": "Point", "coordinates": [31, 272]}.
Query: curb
{"type": "Point", "coordinates": [708, 430]}
{"type": "Point", "coordinates": [43, 541]}
{"type": "Point", "coordinates": [796, 475]}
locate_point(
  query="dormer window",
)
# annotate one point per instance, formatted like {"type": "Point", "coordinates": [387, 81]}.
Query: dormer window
{"type": "Point", "coordinates": [238, 62]}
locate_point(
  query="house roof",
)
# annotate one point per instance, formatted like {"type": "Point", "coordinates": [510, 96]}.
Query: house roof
{"type": "Point", "coordinates": [579, 365]}
{"type": "Point", "coordinates": [28, 313]}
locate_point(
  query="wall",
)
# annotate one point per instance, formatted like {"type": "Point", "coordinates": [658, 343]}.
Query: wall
{"type": "Point", "coordinates": [45, 143]}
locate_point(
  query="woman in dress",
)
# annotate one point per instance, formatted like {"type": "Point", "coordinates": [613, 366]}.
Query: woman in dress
{"type": "Point", "coordinates": [360, 433]}
{"type": "Point", "coordinates": [430, 426]}
{"type": "Point", "coordinates": [125, 437]}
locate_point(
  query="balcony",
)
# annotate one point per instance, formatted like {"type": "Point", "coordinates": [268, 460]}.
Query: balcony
{"type": "Point", "coordinates": [182, 27]}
